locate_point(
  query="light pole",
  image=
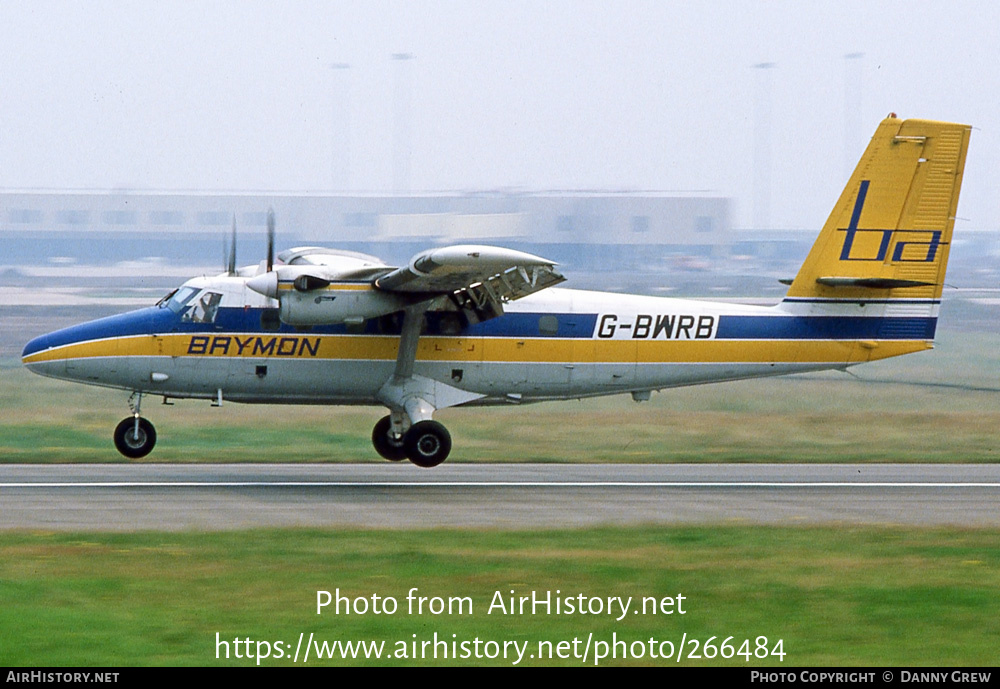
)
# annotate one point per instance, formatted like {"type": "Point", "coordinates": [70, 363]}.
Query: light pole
{"type": "Point", "coordinates": [401, 123]}
{"type": "Point", "coordinates": [340, 162]}
{"type": "Point", "coordinates": [762, 148]}
{"type": "Point", "coordinates": [852, 110]}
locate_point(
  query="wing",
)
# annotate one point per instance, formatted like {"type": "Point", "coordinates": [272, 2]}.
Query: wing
{"type": "Point", "coordinates": [326, 286]}
{"type": "Point", "coordinates": [477, 278]}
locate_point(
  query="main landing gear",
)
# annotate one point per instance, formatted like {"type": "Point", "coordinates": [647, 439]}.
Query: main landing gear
{"type": "Point", "coordinates": [408, 431]}
{"type": "Point", "coordinates": [135, 436]}
{"type": "Point", "coordinates": [425, 443]}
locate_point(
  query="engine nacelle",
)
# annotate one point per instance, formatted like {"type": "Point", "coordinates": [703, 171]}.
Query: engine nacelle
{"type": "Point", "coordinates": [317, 295]}
{"type": "Point", "coordinates": [336, 305]}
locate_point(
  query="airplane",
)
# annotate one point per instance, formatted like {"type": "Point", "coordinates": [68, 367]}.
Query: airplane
{"type": "Point", "coordinates": [485, 325]}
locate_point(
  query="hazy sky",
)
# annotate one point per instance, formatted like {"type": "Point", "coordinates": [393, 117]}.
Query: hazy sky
{"type": "Point", "coordinates": [503, 95]}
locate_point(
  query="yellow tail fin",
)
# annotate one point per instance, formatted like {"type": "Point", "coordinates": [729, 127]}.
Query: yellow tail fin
{"type": "Point", "coordinates": [889, 234]}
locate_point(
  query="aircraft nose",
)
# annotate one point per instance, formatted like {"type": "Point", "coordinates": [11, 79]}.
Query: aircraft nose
{"type": "Point", "coordinates": [34, 358]}
{"type": "Point", "coordinates": [48, 354]}
{"type": "Point", "coordinates": [34, 346]}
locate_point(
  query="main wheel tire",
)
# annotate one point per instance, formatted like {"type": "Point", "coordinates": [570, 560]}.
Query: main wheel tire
{"type": "Point", "coordinates": [390, 448]}
{"type": "Point", "coordinates": [427, 443]}
{"type": "Point", "coordinates": [131, 444]}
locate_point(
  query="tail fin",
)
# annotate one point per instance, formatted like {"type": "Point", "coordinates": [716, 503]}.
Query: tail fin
{"type": "Point", "coordinates": [889, 234]}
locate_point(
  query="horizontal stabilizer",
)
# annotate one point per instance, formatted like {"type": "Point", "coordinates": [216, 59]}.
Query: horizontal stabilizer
{"type": "Point", "coordinates": [872, 283]}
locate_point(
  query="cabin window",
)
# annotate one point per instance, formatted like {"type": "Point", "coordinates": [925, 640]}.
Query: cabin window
{"type": "Point", "coordinates": [548, 325]}
{"type": "Point", "coordinates": [391, 324]}
{"type": "Point", "coordinates": [270, 319]}
{"type": "Point", "coordinates": [449, 324]}
{"type": "Point", "coordinates": [205, 308]}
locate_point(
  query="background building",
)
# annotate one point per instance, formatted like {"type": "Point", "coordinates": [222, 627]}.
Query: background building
{"type": "Point", "coordinates": [647, 242]}
{"type": "Point", "coordinates": [592, 232]}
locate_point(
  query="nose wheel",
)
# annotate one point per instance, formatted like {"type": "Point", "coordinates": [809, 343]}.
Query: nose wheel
{"type": "Point", "coordinates": [135, 437]}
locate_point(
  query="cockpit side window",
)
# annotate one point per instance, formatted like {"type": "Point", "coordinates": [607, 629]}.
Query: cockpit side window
{"type": "Point", "coordinates": [205, 309]}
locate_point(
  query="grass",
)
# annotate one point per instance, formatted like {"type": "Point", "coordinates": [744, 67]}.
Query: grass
{"type": "Point", "coordinates": [862, 596]}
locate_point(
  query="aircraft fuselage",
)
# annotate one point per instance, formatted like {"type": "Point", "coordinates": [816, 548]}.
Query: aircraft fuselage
{"type": "Point", "coordinates": [558, 344]}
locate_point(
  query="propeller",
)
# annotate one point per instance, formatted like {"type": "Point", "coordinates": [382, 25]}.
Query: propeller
{"type": "Point", "coordinates": [266, 282]}
{"type": "Point", "coordinates": [270, 239]}
{"type": "Point", "coordinates": [231, 265]}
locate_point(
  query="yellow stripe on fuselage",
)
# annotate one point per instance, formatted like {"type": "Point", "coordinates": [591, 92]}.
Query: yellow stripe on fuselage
{"type": "Point", "coordinates": [484, 349]}
{"type": "Point", "coordinates": [342, 287]}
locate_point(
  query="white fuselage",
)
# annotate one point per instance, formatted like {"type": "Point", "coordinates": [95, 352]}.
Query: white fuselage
{"type": "Point", "coordinates": [560, 343]}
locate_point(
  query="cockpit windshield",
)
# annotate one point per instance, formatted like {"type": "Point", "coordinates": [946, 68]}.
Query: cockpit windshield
{"type": "Point", "coordinates": [195, 304]}
{"type": "Point", "coordinates": [179, 298]}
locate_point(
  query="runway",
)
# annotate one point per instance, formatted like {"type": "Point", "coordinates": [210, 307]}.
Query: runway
{"type": "Point", "coordinates": [229, 496]}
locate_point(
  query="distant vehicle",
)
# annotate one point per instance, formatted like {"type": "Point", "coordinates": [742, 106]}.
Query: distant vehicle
{"type": "Point", "coordinates": [464, 325]}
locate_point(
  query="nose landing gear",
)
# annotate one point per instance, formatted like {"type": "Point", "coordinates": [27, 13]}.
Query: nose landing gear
{"type": "Point", "coordinates": [135, 436]}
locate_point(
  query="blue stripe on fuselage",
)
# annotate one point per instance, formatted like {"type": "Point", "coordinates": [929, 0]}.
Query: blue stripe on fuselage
{"type": "Point", "coordinates": [824, 328]}
{"type": "Point", "coordinates": [158, 320]}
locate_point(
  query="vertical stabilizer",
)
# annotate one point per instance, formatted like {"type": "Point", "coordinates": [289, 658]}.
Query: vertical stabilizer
{"type": "Point", "coordinates": [889, 235]}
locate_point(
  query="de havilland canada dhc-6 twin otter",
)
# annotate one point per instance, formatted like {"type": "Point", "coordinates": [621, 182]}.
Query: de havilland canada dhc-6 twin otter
{"type": "Point", "coordinates": [469, 324]}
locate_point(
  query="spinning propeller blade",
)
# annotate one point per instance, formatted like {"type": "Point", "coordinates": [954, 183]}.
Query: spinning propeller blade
{"type": "Point", "coordinates": [231, 265]}
{"type": "Point", "coordinates": [270, 239]}
{"type": "Point", "coordinates": [266, 281]}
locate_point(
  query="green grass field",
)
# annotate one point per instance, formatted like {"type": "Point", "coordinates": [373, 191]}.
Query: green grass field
{"type": "Point", "coordinates": [937, 406]}
{"type": "Point", "coordinates": [852, 596]}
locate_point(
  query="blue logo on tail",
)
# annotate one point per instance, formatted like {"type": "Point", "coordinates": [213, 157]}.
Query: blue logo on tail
{"type": "Point", "coordinates": [925, 247]}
